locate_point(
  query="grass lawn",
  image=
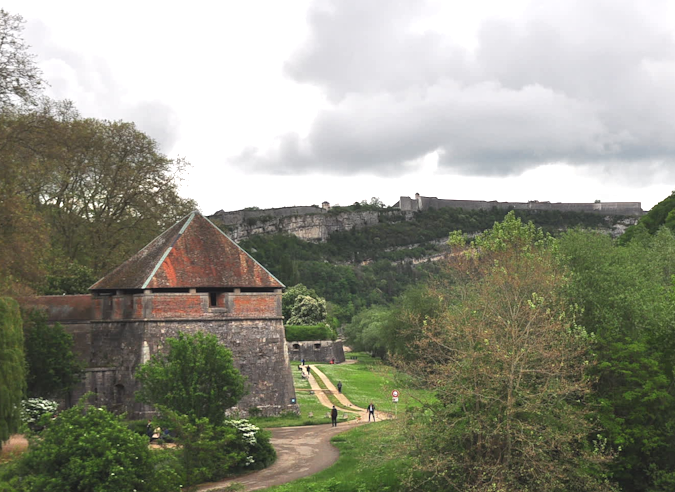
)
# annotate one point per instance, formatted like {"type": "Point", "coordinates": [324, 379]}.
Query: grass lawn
{"type": "Point", "coordinates": [370, 459]}
{"type": "Point", "coordinates": [371, 380]}
{"type": "Point", "coordinates": [307, 403]}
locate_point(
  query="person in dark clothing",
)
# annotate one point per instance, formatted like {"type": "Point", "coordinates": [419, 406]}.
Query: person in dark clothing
{"type": "Point", "coordinates": [371, 411]}
{"type": "Point", "coordinates": [334, 416]}
{"type": "Point", "coordinates": [148, 429]}
{"type": "Point", "coordinates": [307, 371]}
{"type": "Point", "coordinates": [303, 362]}
{"type": "Point", "coordinates": [339, 386]}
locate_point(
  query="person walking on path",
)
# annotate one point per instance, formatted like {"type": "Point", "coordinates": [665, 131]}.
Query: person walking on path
{"type": "Point", "coordinates": [334, 416]}
{"type": "Point", "coordinates": [339, 387]}
{"type": "Point", "coordinates": [307, 371]}
{"type": "Point", "coordinates": [371, 411]}
{"type": "Point", "coordinates": [303, 362]}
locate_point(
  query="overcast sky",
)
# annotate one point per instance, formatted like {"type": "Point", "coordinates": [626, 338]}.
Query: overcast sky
{"type": "Point", "coordinates": [293, 103]}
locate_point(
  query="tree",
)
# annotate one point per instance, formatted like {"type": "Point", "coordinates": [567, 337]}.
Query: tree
{"type": "Point", "coordinates": [366, 331]}
{"type": "Point", "coordinates": [508, 366]}
{"type": "Point", "coordinates": [308, 311]}
{"type": "Point", "coordinates": [12, 368]}
{"type": "Point", "coordinates": [20, 78]}
{"type": "Point", "coordinates": [103, 188]}
{"type": "Point", "coordinates": [196, 377]}
{"type": "Point", "coordinates": [53, 368]}
{"type": "Point", "coordinates": [302, 306]}
{"type": "Point", "coordinates": [628, 302]}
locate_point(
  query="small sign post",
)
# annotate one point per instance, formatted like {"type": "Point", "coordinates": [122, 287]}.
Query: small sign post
{"type": "Point", "coordinates": [394, 399]}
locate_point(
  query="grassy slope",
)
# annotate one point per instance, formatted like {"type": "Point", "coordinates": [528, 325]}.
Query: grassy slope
{"type": "Point", "coordinates": [307, 403]}
{"type": "Point", "coordinates": [368, 461]}
{"type": "Point", "coordinates": [371, 380]}
{"type": "Point", "coordinates": [370, 455]}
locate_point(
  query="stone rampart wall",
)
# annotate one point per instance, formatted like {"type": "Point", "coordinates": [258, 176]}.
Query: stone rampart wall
{"type": "Point", "coordinates": [238, 216]}
{"type": "Point", "coordinates": [113, 344]}
{"type": "Point", "coordinates": [317, 351]}
{"type": "Point", "coordinates": [606, 208]}
{"type": "Point", "coordinates": [258, 347]}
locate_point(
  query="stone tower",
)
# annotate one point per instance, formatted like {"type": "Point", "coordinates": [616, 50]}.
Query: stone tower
{"type": "Point", "coordinates": [190, 278]}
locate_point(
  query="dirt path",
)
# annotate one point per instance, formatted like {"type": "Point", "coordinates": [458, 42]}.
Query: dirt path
{"type": "Point", "coordinates": [301, 451]}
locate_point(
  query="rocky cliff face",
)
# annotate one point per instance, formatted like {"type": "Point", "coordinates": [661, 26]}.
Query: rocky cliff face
{"type": "Point", "coordinates": [311, 227]}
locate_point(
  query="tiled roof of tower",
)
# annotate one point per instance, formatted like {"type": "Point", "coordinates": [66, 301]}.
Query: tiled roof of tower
{"type": "Point", "coordinates": [191, 253]}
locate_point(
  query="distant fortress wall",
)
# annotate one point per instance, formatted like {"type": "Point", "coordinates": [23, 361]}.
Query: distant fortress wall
{"type": "Point", "coordinates": [420, 203]}
{"type": "Point", "coordinates": [239, 216]}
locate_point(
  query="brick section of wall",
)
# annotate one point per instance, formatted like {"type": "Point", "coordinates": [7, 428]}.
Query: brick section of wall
{"type": "Point", "coordinates": [249, 305]}
{"type": "Point", "coordinates": [174, 305]}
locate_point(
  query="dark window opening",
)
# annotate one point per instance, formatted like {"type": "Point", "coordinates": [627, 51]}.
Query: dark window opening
{"type": "Point", "coordinates": [213, 299]}
{"type": "Point", "coordinates": [317, 345]}
{"type": "Point", "coordinates": [296, 346]}
{"type": "Point", "coordinates": [119, 394]}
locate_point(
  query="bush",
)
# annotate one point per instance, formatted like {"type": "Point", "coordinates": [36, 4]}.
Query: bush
{"type": "Point", "coordinates": [89, 449]}
{"type": "Point", "coordinates": [33, 409]}
{"type": "Point", "coordinates": [295, 333]}
{"type": "Point", "coordinates": [212, 452]}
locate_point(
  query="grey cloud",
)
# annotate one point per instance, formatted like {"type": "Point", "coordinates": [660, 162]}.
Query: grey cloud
{"type": "Point", "coordinates": [93, 87]}
{"type": "Point", "coordinates": [581, 82]}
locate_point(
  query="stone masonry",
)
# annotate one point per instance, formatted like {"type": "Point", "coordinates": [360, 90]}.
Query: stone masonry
{"type": "Point", "coordinates": [191, 278]}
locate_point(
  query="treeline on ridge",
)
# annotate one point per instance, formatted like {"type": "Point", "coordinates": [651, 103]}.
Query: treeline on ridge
{"type": "Point", "coordinates": [371, 266]}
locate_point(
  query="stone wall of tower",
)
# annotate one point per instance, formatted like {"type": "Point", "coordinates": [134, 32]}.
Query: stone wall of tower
{"type": "Point", "coordinates": [258, 347]}
{"type": "Point", "coordinates": [115, 334]}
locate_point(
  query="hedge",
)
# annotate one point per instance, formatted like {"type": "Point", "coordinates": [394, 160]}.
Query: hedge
{"type": "Point", "coordinates": [295, 333]}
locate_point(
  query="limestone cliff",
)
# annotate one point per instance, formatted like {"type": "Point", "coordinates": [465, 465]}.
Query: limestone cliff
{"type": "Point", "coordinates": [309, 227]}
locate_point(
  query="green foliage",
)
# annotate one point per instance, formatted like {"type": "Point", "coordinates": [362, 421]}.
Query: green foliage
{"type": "Point", "coordinates": [53, 368]}
{"type": "Point", "coordinates": [308, 311]}
{"type": "Point", "coordinates": [34, 409]}
{"type": "Point", "coordinates": [89, 449]}
{"type": "Point", "coordinates": [69, 278]}
{"type": "Point", "coordinates": [367, 331]}
{"type": "Point", "coordinates": [662, 214]}
{"type": "Point", "coordinates": [98, 190]}
{"type": "Point", "coordinates": [363, 267]}
{"type": "Point", "coordinates": [196, 377]}
{"type": "Point", "coordinates": [12, 367]}
{"type": "Point", "coordinates": [303, 333]}
{"type": "Point", "coordinates": [212, 452]}
{"type": "Point", "coordinates": [627, 295]}
{"type": "Point", "coordinates": [508, 366]}
{"type": "Point", "coordinates": [290, 296]}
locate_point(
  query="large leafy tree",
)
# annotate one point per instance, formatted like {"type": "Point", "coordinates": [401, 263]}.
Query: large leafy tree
{"type": "Point", "coordinates": [53, 368]}
{"type": "Point", "coordinates": [195, 377]}
{"type": "Point", "coordinates": [103, 188]}
{"type": "Point", "coordinates": [12, 367]}
{"type": "Point", "coordinates": [508, 365]}
{"type": "Point", "coordinates": [628, 301]}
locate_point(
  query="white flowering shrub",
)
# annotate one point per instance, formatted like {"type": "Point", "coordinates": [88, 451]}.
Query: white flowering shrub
{"type": "Point", "coordinates": [33, 409]}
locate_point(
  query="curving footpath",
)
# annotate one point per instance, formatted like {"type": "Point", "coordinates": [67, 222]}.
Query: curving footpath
{"type": "Point", "coordinates": [301, 451]}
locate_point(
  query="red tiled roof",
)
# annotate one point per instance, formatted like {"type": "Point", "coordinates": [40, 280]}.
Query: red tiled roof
{"type": "Point", "coordinates": [191, 253]}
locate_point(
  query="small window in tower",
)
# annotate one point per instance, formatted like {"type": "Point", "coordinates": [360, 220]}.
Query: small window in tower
{"type": "Point", "coordinates": [317, 345]}
{"type": "Point", "coordinates": [213, 299]}
{"type": "Point", "coordinates": [296, 346]}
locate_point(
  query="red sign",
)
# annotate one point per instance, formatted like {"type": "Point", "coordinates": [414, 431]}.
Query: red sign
{"type": "Point", "coordinates": [394, 393]}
